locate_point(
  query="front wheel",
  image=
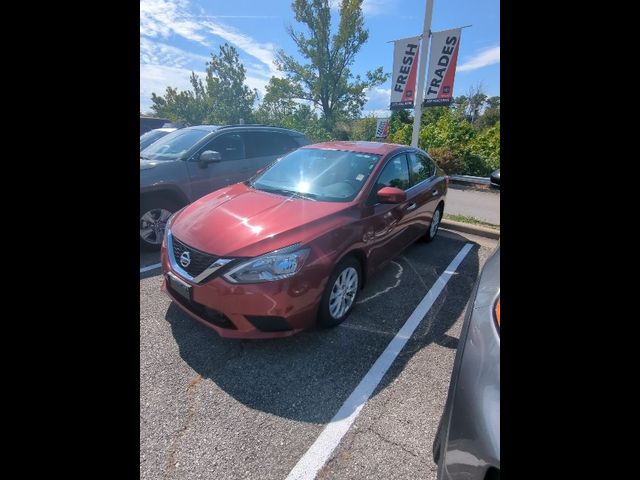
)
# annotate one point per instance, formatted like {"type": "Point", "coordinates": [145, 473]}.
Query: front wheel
{"type": "Point", "coordinates": [340, 293]}
{"type": "Point", "coordinates": [154, 213]}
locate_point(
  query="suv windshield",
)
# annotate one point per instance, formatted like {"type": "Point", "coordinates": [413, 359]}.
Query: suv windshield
{"type": "Point", "coordinates": [325, 175]}
{"type": "Point", "coordinates": [174, 145]}
{"type": "Point", "coordinates": [148, 138]}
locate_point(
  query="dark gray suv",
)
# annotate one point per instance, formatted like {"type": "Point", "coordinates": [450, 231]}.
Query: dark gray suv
{"type": "Point", "coordinates": [192, 162]}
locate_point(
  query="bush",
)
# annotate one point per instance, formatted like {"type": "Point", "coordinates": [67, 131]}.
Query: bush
{"type": "Point", "coordinates": [402, 135]}
{"type": "Point", "coordinates": [476, 165]}
{"type": "Point", "coordinates": [487, 146]}
{"type": "Point", "coordinates": [447, 160]}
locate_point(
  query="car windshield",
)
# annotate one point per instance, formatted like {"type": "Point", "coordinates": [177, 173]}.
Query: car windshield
{"type": "Point", "coordinates": [325, 175]}
{"type": "Point", "coordinates": [148, 138]}
{"type": "Point", "coordinates": [174, 145]}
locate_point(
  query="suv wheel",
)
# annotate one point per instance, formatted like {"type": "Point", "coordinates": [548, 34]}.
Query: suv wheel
{"type": "Point", "coordinates": [154, 213]}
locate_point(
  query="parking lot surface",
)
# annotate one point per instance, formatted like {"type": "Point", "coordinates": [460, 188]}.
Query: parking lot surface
{"type": "Point", "coordinates": [217, 408]}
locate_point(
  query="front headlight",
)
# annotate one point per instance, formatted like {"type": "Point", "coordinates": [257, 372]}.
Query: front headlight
{"type": "Point", "coordinates": [272, 266]}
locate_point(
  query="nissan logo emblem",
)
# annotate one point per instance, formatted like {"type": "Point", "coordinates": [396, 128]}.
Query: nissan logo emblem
{"type": "Point", "coordinates": [185, 259]}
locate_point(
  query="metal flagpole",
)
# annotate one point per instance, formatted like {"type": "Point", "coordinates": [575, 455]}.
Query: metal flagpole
{"type": "Point", "coordinates": [417, 111]}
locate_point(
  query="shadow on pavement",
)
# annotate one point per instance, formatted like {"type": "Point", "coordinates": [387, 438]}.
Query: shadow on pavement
{"type": "Point", "coordinates": [307, 377]}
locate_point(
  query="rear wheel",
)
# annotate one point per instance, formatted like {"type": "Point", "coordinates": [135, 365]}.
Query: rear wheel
{"type": "Point", "coordinates": [435, 224]}
{"type": "Point", "coordinates": [340, 293]}
{"type": "Point", "coordinates": [154, 213]}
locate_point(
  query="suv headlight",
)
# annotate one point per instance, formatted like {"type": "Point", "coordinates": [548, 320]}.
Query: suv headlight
{"type": "Point", "coordinates": [276, 265]}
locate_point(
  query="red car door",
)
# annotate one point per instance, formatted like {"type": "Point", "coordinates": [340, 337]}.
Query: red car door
{"type": "Point", "coordinates": [388, 226]}
{"type": "Point", "coordinates": [425, 193]}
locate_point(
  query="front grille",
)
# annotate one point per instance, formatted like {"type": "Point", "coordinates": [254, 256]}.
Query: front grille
{"type": "Point", "coordinates": [212, 316]}
{"type": "Point", "coordinates": [199, 260]}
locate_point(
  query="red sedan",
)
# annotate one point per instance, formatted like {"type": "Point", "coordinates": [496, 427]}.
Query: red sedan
{"type": "Point", "coordinates": [293, 246]}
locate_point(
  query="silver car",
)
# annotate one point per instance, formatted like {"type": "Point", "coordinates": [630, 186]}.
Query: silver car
{"type": "Point", "coordinates": [467, 443]}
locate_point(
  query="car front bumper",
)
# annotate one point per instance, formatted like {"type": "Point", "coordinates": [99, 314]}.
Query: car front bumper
{"type": "Point", "coordinates": [251, 311]}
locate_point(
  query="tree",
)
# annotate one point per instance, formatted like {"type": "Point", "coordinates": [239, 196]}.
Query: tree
{"type": "Point", "coordinates": [491, 114]}
{"type": "Point", "coordinates": [365, 128]}
{"type": "Point", "coordinates": [278, 104]}
{"type": "Point", "coordinates": [223, 98]}
{"type": "Point", "coordinates": [326, 80]}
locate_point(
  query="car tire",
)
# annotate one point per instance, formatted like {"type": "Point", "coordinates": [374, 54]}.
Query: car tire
{"type": "Point", "coordinates": [154, 213]}
{"type": "Point", "coordinates": [340, 293]}
{"type": "Point", "coordinates": [437, 443]}
{"type": "Point", "coordinates": [433, 227]}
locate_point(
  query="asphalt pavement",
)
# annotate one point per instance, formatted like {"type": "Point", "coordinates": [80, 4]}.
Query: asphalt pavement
{"type": "Point", "coordinates": [481, 204]}
{"type": "Point", "coordinates": [216, 408]}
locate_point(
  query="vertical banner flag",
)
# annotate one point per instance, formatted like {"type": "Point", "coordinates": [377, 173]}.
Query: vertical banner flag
{"type": "Point", "coordinates": [405, 68]}
{"type": "Point", "coordinates": [442, 68]}
{"type": "Point", "coordinates": [382, 128]}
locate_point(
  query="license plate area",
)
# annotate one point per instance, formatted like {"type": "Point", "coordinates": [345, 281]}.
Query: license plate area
{"type": "Point", "coordinates": [181, 288]}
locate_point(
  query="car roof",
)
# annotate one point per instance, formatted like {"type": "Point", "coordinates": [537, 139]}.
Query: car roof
{"type": "Point", "coordinates": [208, 128]}
{"type": "Point", "coordinates": [378, 148]}
{"type": "Point", "coordinates": [165, 129]}
{"type": "Point", "coordinates": [258, 126]}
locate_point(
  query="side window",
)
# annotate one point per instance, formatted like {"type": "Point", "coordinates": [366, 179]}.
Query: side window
{"type": "Point", "coordinates": [394, 174]}
{"type": "Point", "coordinates": [284, 143]}
{"type": "Point", "coordinates": [262, 144]}
{"type": "Point", "coordinates": [422, 167]}
{"type": "Point", "coordinates": [229, 145]}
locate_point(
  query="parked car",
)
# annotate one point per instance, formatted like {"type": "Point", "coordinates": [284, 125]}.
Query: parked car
{"type": "Point", "coordinates": [272, 256]}
{"type": "Point", "coordinates": [467, 444]}
{"type": "Point", "coordinates": [151, 136]}
{"type": "Point", "coordinates": [495, 179]}
{"type": "Point", "coordinates": [186, 164]}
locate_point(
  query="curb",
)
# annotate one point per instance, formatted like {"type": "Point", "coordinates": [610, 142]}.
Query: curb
{"type": "Point", "coordinates": [470, 228]}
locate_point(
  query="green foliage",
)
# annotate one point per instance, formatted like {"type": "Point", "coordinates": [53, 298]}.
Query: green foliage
{"type": "Point", "coordinates": [223, 98]}
{"type": "Point", "coordinates": [486, 145]}
{"type": "Point", "coordinates": [448, 131]}
{"type": "Point", "coordinates": [325, 79]}
{"type": "Point", "coordinates": [447, 160]}
{"type": "Point", "coordinates": [401, 135]}
{"type": "Point", "coordinates": [278, 104]}
{"type": "Point", "coordinates": [364, 128]}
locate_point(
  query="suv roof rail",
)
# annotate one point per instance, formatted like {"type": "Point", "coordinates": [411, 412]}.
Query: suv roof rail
{"type": "Point", "coordinates": [245, 125]}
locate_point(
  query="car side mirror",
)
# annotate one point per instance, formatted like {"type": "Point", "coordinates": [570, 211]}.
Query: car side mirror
{"type": "Point", "coordinates": [209, 156]}
{"type": "Point", "coordinates": [391, 195]}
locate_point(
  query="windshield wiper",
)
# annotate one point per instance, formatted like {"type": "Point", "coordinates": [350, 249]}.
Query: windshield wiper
{"type": "Point", "coordinates": [284, 191]}
{"type": "Point", "coordinates": [144, 158]}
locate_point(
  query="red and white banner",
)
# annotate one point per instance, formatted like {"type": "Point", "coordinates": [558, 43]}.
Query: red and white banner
{"type": "Point", "coordinates": [442, 68]}
{"type": "Point", "coordinates": [405, 68]}
{"type": "Point", "coordinates": [382, 128]}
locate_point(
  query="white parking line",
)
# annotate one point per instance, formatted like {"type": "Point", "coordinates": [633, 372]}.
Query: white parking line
{"type": "Point", "coordinates": [317, 455]}
{"type": "Point", "coordinates": [150, 267]}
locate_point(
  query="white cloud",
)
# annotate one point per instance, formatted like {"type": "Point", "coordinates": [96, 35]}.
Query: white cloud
{"type": "Point", "coordinates": [158, 53]}
{"type": "Point", "coordinates": [163, 65]}
{"type": "Point", "coordinates": [482, 59]}
{"type": "Point", "coordinates": [369, 7]}
{"type": "Point", "coordinates": [377, 99]}
{"type": "Point", "coordinates": [156, 79]}
{"type": "Point", "coordinates": [161, 18]}
{"type": "Point", "coordinates": [380, 113]}
{"type": "Point", "coordinates": [265, 52]}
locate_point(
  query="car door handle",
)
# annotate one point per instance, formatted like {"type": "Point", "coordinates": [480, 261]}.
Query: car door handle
{"type": "Point", "coordinates": [411, 206]}
{"type": "Point", "coordinates": [434, 193]}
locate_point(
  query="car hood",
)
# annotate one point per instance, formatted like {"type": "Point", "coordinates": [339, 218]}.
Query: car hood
{"type": "Point", "coordinates": [147, 164]}
{"type": "Point", "coordinates": [243, 222]}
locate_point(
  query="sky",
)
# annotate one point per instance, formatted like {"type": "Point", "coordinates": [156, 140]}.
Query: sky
{"type": "Point", "coordinates": [179, 36]}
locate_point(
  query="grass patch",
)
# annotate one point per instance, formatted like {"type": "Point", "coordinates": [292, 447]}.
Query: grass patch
{"type": "Point", "coordinates": [472, 220]}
